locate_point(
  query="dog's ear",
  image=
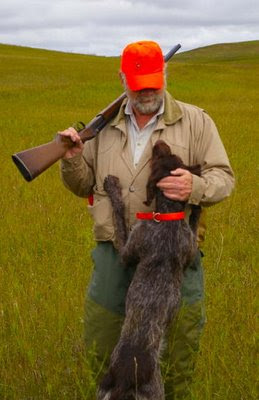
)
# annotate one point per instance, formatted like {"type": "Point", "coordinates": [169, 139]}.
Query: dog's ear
{"type": "Point", "coordinates": [160, 152]}
{"type": "Point", "coordinates": [194, 169]}
{"type": "Point", "coordinates": [151, 191]}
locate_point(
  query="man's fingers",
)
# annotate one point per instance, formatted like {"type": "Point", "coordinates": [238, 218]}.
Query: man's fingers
{"type": "Point", "coordinates": [177, 186]}
{"type": "Point", "coordinates": [181, 194]}
{"type": "Point", "coordinates": [172, 196]}
{"type": "Point", "coordinates": [72, 134]}
{"type": "Point", "coordinates": [68, 131]}
{"type": "Point", "coordinates": [178, 172]}
{"type": "Point", "coordinates": [170, 183]}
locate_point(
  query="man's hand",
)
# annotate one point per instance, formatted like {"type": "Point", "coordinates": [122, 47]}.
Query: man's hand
{"type": "Point", "coordinates": [178, 185]}
{"type": "Point", "coordinates": [73, 135]}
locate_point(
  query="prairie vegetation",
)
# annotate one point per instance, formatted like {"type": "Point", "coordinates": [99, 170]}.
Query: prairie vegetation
{"type": "Point", "coordinates": [45, 231]}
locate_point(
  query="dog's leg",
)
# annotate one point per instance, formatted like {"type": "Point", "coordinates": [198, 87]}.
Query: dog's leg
{"type": "Point", "coordinates": [112, 187]}
{"type": "Point", "coordinates": [154, 389]}
{"type": "Point", "coordinates": [130, 253]}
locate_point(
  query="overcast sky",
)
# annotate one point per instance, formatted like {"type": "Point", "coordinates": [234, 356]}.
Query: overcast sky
{"type": "Point", "coordinates": [104, 27]}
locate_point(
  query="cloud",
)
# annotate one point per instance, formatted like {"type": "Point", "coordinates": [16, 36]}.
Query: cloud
{"type": "Point", "coordinates": [105, 27]}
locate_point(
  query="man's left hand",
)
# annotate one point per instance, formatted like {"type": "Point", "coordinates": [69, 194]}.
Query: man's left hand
{"type": "Point", "coordinates": [178, 185]}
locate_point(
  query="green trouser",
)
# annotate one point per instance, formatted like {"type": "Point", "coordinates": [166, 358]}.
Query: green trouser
{"type": "Point", "coordinates": [105, 310]}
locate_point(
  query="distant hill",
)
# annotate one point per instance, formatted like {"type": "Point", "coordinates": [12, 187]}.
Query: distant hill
{"type": "Point", "coordinates": [217, 52]}
{"type": "Point", "coordinates": [223, 52]}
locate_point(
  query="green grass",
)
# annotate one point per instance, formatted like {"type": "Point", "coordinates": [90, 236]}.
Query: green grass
{"type": "Point", "coordinates": [45, 232]}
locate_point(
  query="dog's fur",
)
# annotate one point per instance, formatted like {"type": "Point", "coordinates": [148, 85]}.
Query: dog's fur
{"type": "Point", "coordinates": [161, 251]}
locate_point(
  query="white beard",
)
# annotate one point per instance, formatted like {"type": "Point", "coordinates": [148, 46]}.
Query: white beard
{"type": "Point", "coordinates": [148, 107]}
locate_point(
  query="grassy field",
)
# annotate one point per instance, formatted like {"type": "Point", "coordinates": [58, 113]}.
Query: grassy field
{"type": "Point", "coordinates": [45, 232]}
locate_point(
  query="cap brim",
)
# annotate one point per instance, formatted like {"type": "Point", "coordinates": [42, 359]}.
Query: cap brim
{"type": "Point", "coordinates": [149, 81]}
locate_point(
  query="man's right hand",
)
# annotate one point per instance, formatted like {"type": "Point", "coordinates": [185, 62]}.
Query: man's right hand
{"type": "Point", "coordinates": [73, 135]}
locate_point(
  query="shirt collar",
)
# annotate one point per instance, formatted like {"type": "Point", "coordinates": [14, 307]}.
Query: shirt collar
{"type": "Point", "coordinates": [129, 111]}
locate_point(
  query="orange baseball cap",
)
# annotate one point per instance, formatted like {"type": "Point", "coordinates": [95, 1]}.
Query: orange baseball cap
{"type": "Point", "coordinates": [143, 65]}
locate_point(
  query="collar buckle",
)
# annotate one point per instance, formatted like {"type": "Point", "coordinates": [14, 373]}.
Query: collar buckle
{"type": "Point", "coordinates": [155, 215]}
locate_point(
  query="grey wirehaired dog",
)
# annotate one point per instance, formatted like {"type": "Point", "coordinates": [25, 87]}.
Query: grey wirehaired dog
{"type": "Point", "coordinates": [161, 251]}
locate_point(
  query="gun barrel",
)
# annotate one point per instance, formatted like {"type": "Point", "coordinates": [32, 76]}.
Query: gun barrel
{"type": "Point", "coordinates": [172, 52]}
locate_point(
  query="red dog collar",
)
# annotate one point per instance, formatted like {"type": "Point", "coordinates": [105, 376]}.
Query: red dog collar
{"type": "Point", "coordinates": [156, 216]}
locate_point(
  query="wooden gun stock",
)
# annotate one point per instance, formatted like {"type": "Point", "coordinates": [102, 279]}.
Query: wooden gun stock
{"type": "Point", "coordinates": [34, 161]}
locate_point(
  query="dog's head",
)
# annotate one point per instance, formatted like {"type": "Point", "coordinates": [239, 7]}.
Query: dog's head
{"type": "Point", "coordinates": [162, 163]}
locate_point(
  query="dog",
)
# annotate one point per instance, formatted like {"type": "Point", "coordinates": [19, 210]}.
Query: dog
{"type": "Point", "coordinates": [161, 251]}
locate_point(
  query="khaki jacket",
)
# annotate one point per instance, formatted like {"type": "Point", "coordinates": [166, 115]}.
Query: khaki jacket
{"type": "Point", "coordinates": [190, 133]}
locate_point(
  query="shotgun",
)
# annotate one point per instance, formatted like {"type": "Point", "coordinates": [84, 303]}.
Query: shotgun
{"type": "Point", "coordinates": [34, 161]}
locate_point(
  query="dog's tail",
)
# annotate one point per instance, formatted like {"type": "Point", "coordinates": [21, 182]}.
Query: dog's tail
{"type": "Point", "coordinates": [112, 187]}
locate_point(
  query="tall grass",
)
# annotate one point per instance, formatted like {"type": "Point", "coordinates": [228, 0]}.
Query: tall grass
{"type": "Point", "coordinates": [45, 232]}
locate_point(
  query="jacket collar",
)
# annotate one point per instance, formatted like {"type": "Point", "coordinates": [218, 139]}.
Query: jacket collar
{"type": "Point", "coordinates": [173, 111]}
{"type": "Point", "coordinates": [171, 115]}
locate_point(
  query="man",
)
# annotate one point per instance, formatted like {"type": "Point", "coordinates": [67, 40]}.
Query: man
{"type": "Point", "coordinates": [123, 149]}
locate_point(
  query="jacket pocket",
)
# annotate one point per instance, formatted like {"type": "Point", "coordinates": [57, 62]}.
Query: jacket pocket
{"type": "Point", "coordinates": [101, 212]}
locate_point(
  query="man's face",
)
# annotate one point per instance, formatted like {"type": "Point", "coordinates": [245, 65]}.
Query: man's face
{"type": "Point", "coordinates": [146, 101]}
